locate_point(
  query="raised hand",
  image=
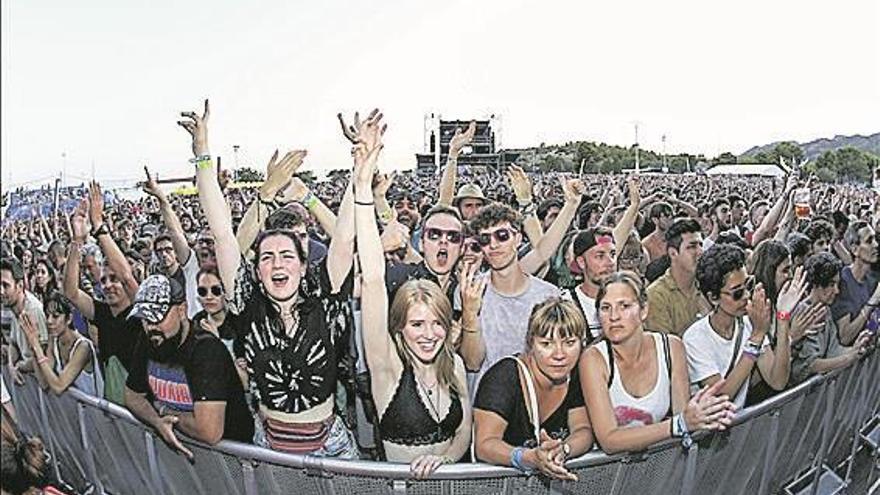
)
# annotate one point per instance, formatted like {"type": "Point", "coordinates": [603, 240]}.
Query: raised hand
{"type": "Point", "coordinates": [792, 293]}
{"type": "Point", "coordinates": [382, 182]}
{"type": "Point", "coordinates": [395, 236]}
{"type": "Point", "coordinates": [808, 321]}
{"type": "Point", "coordinates": [29, 327]}
{"type": "Point", "coordinates": [633, 184]}
{"type": "Point", "coordinates": [295, 191]}
{"type": "Point", "coordinates": [151, 187]}
{"type": "Point", "coordinates": [197, 127]}
{"type": "Point", "coordinates": [471, 288]}
{"type": "Point", "coordinates": [461, 139]}
{"type": "Point", "coordinates": [96, 204]}
{"type": "Point", "coordinates": [759, 311]}
{"type": "Point", "coordinates": [165, 428]}
{"type": "Point", "coordinates": [709, 411]}
{"type": "Point", "coordinates": [572, 189]}
{"type": "Point", "coordinates": [520, 183]}
{"type": "Point", "coordinates": [279, 173]}
{"type": "Point", "coordinates": [355, 133]}
{"type": "Point", "coordinates": [78, 224]}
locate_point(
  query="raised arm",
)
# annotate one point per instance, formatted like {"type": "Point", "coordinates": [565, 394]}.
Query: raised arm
{"type": "Point", "coordinates": [115, 259]}
{"type": "Point", "coordinates": [79, 232]}
{"type": "Point", "coordinates": [211, 198]}
{"type": "Point", "coordinates": [169, 218]}
{"type": "Point", "coordinates": [522, 189]}
{"type": "Point", "coordinates": [299, 192]}
{"type": "Point", "coordinates": [381, 356]}
{"type": "Point", "coordinates": [549, 243]}
{"type": "Point", "coordinates": [764, 230]}
{"type": "Point", "coordinates": [627, 222]}
{"type": "Point", "coordinates": [450, 170]}
{"type": "Point", "coordinates": [278, 175]}
{"type": "Point", "coordinates": [473, 346]}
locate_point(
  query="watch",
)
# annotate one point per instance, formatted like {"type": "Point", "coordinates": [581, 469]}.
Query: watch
{"type": "Point", "coordinates": [566, 449]}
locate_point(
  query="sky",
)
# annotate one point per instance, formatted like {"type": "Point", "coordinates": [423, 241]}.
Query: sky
{"type": "Point", "coordinates": [96, 86]}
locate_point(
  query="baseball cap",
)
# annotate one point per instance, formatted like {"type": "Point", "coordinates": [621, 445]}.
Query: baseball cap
{"type": "Point", "coordinates": [155, 297]}
{"type": "Point", "coordinates": [585, 239]}
{"type": "Point", "coordinates": [468, 191]}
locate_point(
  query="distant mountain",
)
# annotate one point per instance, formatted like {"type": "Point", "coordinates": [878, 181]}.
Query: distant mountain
{"type": "Point", "coordinates": [814, 149]}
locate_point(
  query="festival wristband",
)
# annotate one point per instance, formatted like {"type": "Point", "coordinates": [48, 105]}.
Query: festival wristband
{"type": "Point", "coordinates": [783, 315]}
{"type": "Point", "coordinates": [310, 200]}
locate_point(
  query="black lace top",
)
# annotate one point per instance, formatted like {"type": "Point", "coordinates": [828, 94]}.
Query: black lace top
{"type": "Point", "coordinates": [407, 420]}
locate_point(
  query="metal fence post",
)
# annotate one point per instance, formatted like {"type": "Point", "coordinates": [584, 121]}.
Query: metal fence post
{"type": "Point", "coordinates": [830, 390]}
{"type": "Point", "coordinates": [249, 480]}
{"type": "Point", "coordinates": [690, 469]}
{"type": "Point", "coordinates": [95, 479]}
{"type": "Point", "coordinates": [153, 463]}
{"type": "Point", "coordinates": [769, 453]}
{"type": "Point", "coordinates": [53, 445]}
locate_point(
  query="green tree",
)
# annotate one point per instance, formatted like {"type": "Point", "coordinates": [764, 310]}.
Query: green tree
{"type": "Point", "coordinates": [725, 158]}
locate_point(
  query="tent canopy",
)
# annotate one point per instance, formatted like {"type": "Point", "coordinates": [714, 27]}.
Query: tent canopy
{"type": "Point", "coordinates": [762, 169]}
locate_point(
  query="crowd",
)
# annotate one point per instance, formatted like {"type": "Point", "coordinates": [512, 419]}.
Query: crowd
{"type": "Point", "coordinates": [514, 318]}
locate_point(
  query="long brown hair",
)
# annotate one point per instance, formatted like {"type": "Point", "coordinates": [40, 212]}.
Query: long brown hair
{"type": "Point", "coordinates": [429, 294]}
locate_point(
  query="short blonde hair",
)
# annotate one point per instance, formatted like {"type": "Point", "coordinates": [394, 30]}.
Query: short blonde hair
{"type": "Point", "coordinates": [555, 317]}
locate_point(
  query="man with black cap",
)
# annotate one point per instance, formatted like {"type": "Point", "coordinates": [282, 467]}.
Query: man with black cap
{"type": "Point", "coordinates": [181, 376]}
{"type": "Point", "coordinates": [595, 256]}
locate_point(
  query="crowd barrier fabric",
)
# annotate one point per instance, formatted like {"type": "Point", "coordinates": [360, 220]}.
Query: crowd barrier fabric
{"type": "Point", "coordinates": [99, 446]}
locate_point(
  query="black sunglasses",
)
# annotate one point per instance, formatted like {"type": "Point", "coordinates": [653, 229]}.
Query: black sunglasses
{"type": "Point", "coordinates": [738, 294]}
{"type": "Point", "coordinates": [500, 235]}
{"type": "Point", "coordinates": [473, 245]}
{"type": "Point", "coordinates": [453, 236]}
{"type": "Point", "coordinates": [216, 290]}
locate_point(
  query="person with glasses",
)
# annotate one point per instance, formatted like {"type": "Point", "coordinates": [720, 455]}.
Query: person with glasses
{"type": "Point", "coordinates": [290, 337]}
{"type": "Point", "coordinates": [661, 215]}
{"type": "Point", "coordinates": [731, 342]}
{"type": "Point", "coordinates": [173, 246]}
{"type": "Point", "coordinates": [70, 358]}
{"type": "Point", "coordinates": [635, 382]}
{"type": "Point", "coordinates": [213, 317]}
{"type": "Point", "coordinates": [510, 295]}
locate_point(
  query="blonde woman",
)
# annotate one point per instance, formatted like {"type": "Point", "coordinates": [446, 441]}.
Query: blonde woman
{"type": "Point", "coordinates": [417, 380]}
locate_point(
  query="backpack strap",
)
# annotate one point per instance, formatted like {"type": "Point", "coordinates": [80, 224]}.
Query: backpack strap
{"type": "Point", "coordinates": [737, 336]}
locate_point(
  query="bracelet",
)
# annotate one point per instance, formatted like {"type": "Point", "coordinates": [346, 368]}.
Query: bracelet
{"type": "Point", "coordinates": [516, 459]}
{"type": "Point", "coordinates": [528, 209]}
{"type": "Point", "coordinates": [752, 348]}
{"type": "Point", "coordinates": [44, 359]}
{"type": "Point", "coordinates": [310, 201]}
{"type": "Point", "coordinates": [783, 315]}
{"type": "Point", "coordinates": [385, 216]}
{"type": "Point", "coordinates": [101, 230]}
{"type": "Point", "coordinates": [199, 159]}
{"type": "Point", "coordinates": [364, 203]}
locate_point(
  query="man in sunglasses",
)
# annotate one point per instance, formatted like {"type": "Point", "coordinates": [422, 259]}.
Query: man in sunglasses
{"type": "Point", "coordinates": [182, 378]}
{"type": "Point", "coordinates": [731, 341]}
{"type": "Point", "coordinates": [510, 294]}
{"type": "Point", "coordinates": [442, 239]}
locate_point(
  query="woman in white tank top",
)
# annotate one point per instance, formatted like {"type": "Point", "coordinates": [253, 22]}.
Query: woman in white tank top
{"type": "Point", "coordinates": [635, 383]}
{"type": "Point", "coordinates": [71, 358]}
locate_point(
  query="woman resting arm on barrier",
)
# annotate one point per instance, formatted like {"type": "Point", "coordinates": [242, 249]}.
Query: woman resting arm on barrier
{"type": "Point", "coordinates": [69, 358]}
{"type": "Point", "coordinates": [635, 382]}
{"type": "Point", "coordinates": [529, 411]}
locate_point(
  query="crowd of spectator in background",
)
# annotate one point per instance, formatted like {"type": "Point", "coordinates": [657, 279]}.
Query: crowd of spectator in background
{"type": "Point", "coordinates": [503, 316]}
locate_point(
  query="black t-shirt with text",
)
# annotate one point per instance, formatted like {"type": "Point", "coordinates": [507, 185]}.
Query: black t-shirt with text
{"type": "Point", "coordinates": [200, 371]}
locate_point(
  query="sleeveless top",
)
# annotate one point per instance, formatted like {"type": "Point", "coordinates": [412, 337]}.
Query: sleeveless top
{"type": "Point", "coordinates": [407, 420]}
{"type": "Point", "coordinates": [90, 383]}
{"type": "Point", "coordinates": [651, 408]}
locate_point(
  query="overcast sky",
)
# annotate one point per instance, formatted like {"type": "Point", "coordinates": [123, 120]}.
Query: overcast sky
{"type": "Point", "coordinates": [103, 81]}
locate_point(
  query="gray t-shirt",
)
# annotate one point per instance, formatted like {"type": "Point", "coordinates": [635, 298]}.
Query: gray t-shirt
{"type": "Point", "coordinates": [33, 307]}
{"type": "Point", "coordinates": [504, 321]}
{"type": "Point", "coordinates": [824, 344]}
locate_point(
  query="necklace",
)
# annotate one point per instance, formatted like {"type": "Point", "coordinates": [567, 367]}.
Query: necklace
{"type": "Point", "coordinates": [429, 393]}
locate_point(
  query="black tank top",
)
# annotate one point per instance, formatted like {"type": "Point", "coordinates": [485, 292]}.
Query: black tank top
{"type": "Point", "coordinates": [407, 420]}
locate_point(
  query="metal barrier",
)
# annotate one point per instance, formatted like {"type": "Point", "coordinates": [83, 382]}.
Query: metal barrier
{"type": "Point", "coordinates": [101, 445]}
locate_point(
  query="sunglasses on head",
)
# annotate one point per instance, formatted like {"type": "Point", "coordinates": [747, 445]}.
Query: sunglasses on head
{"type": "Point", "coordinates": [500, 235]}
{"type": "Point", "coordinates": [216, 290]}
{"type": "Point", "coordinates": [453, 236]}
{"type": "Point", "coordinates": [738, 294]}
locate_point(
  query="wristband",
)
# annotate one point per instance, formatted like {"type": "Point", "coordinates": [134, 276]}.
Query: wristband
{"type": "Point", "coordinates": [783, 315]}
{"type": "Point", "coordinates": [309, 201]}
{"type": "Point", "coordinates": [200, 158]}
{"type": "Point", "coordinates": [44, 359]}
{"type": "Point", "coordinates": [385, 216]}
{"type": "Point", "coordinates": [364, 203]}
{"type": "Point", "coordinates": [101, 230]}
{"type": "Point", "coordinates": [528, 209]}
{"type": "Point", "coordinates": [516, 460]}
{"type": "Point", "coordinates": [752, 348]}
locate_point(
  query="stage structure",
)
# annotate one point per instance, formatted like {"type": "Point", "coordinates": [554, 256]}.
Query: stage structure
{"type": "Point", "coordinates": [482, 154]}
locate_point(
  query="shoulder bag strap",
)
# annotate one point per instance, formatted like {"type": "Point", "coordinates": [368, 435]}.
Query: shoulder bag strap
{"type": "Point", "coordinates": [532, 398]}
{"type": "Point", "coordinates": [665, 338]}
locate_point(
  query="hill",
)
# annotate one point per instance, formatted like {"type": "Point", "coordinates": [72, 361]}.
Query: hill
{"type": "Point", "coordinates": [814, 149]}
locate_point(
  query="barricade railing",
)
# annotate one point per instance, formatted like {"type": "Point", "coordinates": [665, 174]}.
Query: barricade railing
{"type": "Point", "coordinates": [99, 445]}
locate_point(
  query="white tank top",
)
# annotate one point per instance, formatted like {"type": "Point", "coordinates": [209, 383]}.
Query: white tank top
{"type": "Point", "coordinates": [90, 383]}
{"type": "Point", "coordinates": [638, 411]}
